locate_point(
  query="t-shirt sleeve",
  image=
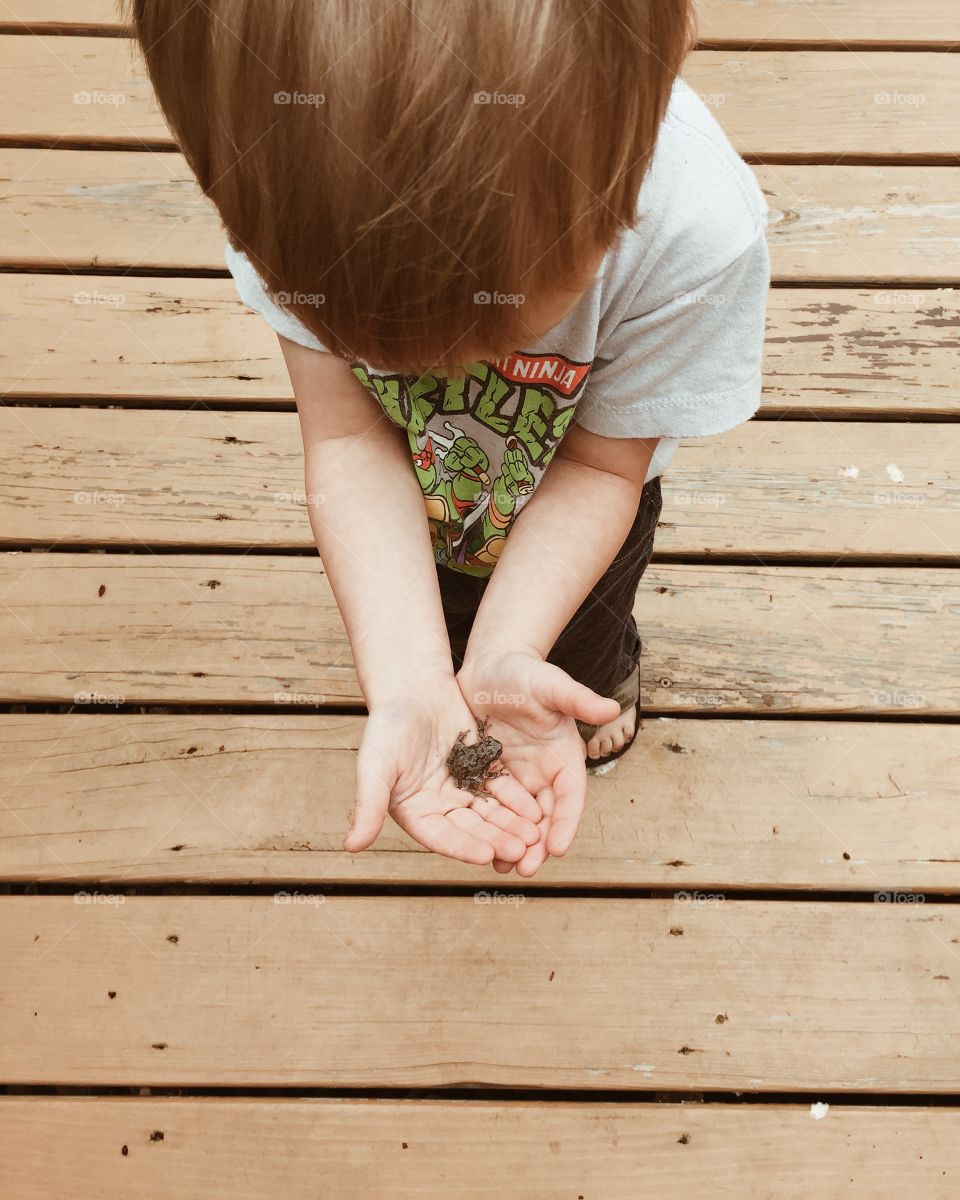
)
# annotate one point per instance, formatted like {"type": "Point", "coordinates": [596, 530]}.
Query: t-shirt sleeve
{"type": "Point", "coordinates": [689, 367]}
{"type": "Point", "coordinates": [252, 291]}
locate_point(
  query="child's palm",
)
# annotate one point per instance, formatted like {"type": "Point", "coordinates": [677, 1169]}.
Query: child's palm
{"type": "Point", "coordinates": [533, 706]}
{"type": "Point", "coordinates": [401, 768]}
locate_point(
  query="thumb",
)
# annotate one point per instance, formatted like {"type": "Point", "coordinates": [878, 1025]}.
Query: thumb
{"type": "Point", "coordinates": [370, 807]}
{"type": "Point", "coordinates": [560, 692]}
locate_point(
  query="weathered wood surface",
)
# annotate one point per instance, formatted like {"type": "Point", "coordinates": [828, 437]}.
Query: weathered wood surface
{"type": "Point", "coordinates": [69, 90]}
{"type": "Point", "coordinates": [845, 23]}
{"type": "Point", "coordinates": [829, 351]}
{"type": "Point", "coordinates": [257, 629]}
{"type": "Point", "coordinates": [422, 991]}
{"type": "Point", "coordinates": [117, 209]}
{"type": "Point", "coordinates": [272, 1149]}
{"type": "Point", "coordinates": [62, 14]}
{"type": "Point", "coordinates": [173, 478]}
{"type": "Point", "coordinates": [772, 103]}
{"type": "Point", "coordinates": [697, 804]}
{"type": "Point", "coordinates": [837, 22]}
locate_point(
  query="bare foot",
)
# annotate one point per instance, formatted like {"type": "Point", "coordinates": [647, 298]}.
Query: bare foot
{"type": "Point", "coordinates": [613, 736]}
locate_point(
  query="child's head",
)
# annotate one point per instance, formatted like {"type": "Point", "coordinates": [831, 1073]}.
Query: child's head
{"type": "Point", "coordinates": [418, 180]}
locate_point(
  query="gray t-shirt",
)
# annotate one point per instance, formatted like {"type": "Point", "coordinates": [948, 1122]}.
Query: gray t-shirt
{"type": "Point", "coordinates": [666, 343]}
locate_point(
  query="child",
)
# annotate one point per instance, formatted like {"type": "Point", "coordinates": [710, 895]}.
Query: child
{"type": "Point", "coordinates": [512, 260]}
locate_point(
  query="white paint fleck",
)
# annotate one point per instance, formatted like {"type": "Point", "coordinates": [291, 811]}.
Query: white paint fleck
{"type": "Point", "coordinates": [645, 1067]}
{"type": "Point", "coordinates": [849, 472]}
{"type": "Point", "coordinates": [819, 1110]}
{"type": "Point", "coordinates": [894, 473]}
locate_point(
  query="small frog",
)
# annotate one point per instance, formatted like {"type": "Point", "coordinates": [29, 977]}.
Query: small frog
{"type": "Point", "coordinates": [470, 765]}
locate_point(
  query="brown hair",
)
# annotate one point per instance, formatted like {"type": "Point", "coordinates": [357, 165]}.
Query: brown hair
{"type": "Point", "coordinates": [397, 158]}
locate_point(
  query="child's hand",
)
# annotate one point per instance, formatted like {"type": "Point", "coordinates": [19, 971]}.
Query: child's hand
{"type": "Point", "coordinates": [533, 706]}
{"type": "Point", "coordinates": [401, 768]}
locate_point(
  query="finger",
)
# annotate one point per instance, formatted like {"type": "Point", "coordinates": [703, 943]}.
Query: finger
{"type": "Point", "coordinates": [560, 692]}
{"type": "Point", "coordinates": [537, 854]}
{"type": "Point", "coordinates": [505, 846]}
{"type": "Point", "coordinates": [438, 833]}
{"type": "Point", "coordinates": [503, 818]}
{"type": "Point", "coordinates": [513, 795]}
{"type": "Point", "coordinates": [570, 792]}
{"type": "Point", "coordinates": [370, 805]}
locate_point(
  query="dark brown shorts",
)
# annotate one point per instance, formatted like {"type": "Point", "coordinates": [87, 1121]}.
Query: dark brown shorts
{"type": "Point", "coordinates": [600, 647]}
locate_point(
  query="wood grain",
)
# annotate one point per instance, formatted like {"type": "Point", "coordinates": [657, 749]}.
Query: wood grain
{"type": "Point", "coordinates": [829, 22]}
{"type": "Point", "coordinates": [258, 629]}
{"type": "Point", "coordinates": [828, 352]}
{"type": "Point", "coordinates": [67, 90]}
{"type": "Point", "coordinates": [772, 103]}
{"type": "Point", "coordinates": [120, 209]}
{"type": "Point", "coordinates": [62, 14]}
{"type": "Point", "coordinates": [173, 478]}
{"type": "Point", "coordinates": [837, 22]}
{"type": "Point", "coordinates": [696, 804]}
{"type": "Point", "coordinates": [274, 1149]}
{"type": "Point", "coordinates": [416, 991]}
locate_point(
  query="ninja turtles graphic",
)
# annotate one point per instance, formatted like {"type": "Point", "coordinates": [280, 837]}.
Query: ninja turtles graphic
{"type": "Point", "coordinates": [513, 410]}
{"type": "Point", "coordinates": [469, 517]}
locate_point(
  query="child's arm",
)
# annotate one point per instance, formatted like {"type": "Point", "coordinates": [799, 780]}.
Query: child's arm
{"type": "Point", "coordinates": [560, 545]}
{"type": "Point", "coordinates": [367, 514]}
{"type": "Point", "coordinates": [562, 542]}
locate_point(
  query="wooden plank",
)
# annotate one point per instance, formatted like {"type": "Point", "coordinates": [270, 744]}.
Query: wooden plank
{"type": "Point", "coordinates": [272, 1149]}
{"type": "Point", "coordinates": [107, 209]}
{"type": "Point", "coordinates": [93, 15]}
{"type": "Point", "coordinates": [117, 209]}
{"type": "Point", "coordinates": [115, 337]}
{"type": "Point", "coordinates": [68, 90]}
{"type": "Point", "coordinates": [864, 353]}
{"type": "Point", "coordinates": [863, 224]}
{"type": "Point", "coordinates": [267, 799]}
{"type": "Point", "coordinates": [768, 488]}
{"type": "Point", "coordinates": [772, 103]}
{"type": "Point", "coordinates": [813, 105]}
{"type": "Point", "coordinates": [112, 338]}
{"type": "Point", "coordinates": [833, 22]}
{"type": "Point", "coordinates": [257, 629]}
{"type": "Point", "coordinates": [837, 22]}
{"type": "Point", "coordinates": [411, 991]}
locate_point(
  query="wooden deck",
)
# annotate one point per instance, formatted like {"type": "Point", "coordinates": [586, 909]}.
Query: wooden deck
{"type": "Point", "coordinates": [201, 994]}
